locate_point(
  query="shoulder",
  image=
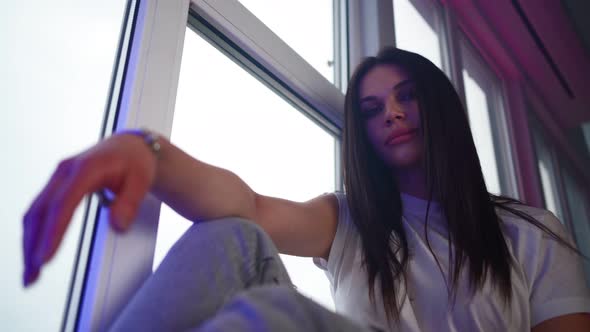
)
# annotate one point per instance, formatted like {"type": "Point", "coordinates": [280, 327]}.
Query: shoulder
{"type": "Point", "coordinates": [345, 240]}
{"type": "Point", "coordinates": [336, 201]}
{"type": "Point", "coordinates": [327, 203]}
{"type": "Point", "coordinates": [552, 273]}
{"type": "Point", "coordinates": [535, 212]}
{"type": "Point", "coordinates": [514, 220]}
{"type": "Point", "coordinates": [344, 216]}
{"type": "Point", "coordinates": [534, 243]}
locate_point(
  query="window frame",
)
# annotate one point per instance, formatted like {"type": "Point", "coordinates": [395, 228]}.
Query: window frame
{"type": "Point", "coordinates": [114, 266]}
{"type": "Point", "coordinates": [145, 89]}
{"type": "Point", "coordinates": [451, 51]}
{"type": "Point", "coordinates": [544, 149]}
{"type": "Point", "coordinates": [249, 34]}
{"type": "Point", "coordinates": [493, 86]}
{"type": "Point", "coordinates": [567, 173]}
{"type": "Point", "coordinates": [144, 92]}
{"type": "Point", "coordinates": [452, 43]}
{"type": "Point", "coordinates": [538, 115]}
{"type": "Point", "coordinates": [75, 300]}
{"type": "Point", "coordinates": [433, 14]}
{"type": "Point", "coordinates": [446, 26]}
{"type": "Point", "coordinates": [370, 29]}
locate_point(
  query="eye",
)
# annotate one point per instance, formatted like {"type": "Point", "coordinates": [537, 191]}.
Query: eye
{"type": "Point", "coordinates": [371, 110]}
{"type": "Point", "coordinates": [407, 95]}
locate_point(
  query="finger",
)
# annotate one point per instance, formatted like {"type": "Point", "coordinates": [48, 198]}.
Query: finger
{"type": "Point", "coordinates": [123, 210]}
{"type": "Point", "coordinates": [87, 176]}
{"type": "Point", "coordinates": [30, 238]}
{"type": "Point", "coordinates": [34, 216]}
{"type": "Point", "coordinates": [31, 277]}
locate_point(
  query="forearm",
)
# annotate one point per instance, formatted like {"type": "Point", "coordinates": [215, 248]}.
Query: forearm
{"type": "Point", "coordinates": [199, 191]}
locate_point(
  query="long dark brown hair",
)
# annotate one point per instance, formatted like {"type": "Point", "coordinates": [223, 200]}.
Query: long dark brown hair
{"type": "Point", "coordinates": [454, 178]}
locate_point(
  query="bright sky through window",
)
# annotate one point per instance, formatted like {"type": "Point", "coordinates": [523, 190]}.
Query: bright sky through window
{"type": "Point", "coordinates": [479, 121]}
{"type": "Point", "coordinates": [305, 25]}
{"type": "Point", "coordinates": [227, 118]}
{"type": "Point", "coordinates": [413, 33]}
{"type": "Point", "coordinates": [56, 64]}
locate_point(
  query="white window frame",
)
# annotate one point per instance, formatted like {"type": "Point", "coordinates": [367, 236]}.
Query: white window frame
{"type": "Point", "coordinates": [451, 51]}
{"type": "Point", "coordinates": [449, 35]}
{"type": "Point", "coordinates": [566, 171]}
{"type": "Point", "coordinates": [112, 266]}
{"type": "Point", "coordinates": [370, 29]}
{"type": "Point", "coordinates": [146, 89]}
{"type": "Point", "coordinates": [451, 42]}
{"type": "Point", "coordinates": [236, 23]}
{"type": "Point", "coordinates": [512, 95]}
{"type": "Point", "coordinates": [517, 160]}
{"type": "Point", "coordinates": [544, 149]}
{"type": "Point", "coordinates": [501, 133]}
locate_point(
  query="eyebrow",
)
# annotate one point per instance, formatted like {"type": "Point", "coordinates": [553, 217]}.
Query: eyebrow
{"type": "Point", "coordinates": [395, 87]}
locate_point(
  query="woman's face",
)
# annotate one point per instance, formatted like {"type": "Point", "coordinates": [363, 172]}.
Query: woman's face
{"type": "Point", "coordinates": [389, 107]}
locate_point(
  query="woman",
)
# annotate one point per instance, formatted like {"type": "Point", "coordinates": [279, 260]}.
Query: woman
{"type": "Point", "coordinates": [416, 243]}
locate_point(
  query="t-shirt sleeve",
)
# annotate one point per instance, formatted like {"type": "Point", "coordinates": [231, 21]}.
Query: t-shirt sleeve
{"type": "Point", "coordinates": [341, 240]}
{"type": "Point", "coordinates": [555, 273]}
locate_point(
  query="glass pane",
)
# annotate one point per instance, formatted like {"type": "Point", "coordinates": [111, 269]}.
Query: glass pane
{"type": "Point", "coordinates": [547, 174]}
{"type": "Point", "coordinates": [415, 33]}
{"type": "Point", "coordinates": [226, 117]}
{"type": "Point", "coordinates": [56, 64]}
{"type": "Point", "coordinates": [548, 187]}
{"type": "Point", "coordinates": [578, 206]}
{"type": "Point", "coordinates": [479, 121]}
{"type": "Point", "coordinates": [306, 25]}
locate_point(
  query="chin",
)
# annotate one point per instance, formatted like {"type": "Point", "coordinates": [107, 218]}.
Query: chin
{"type": "Point", "coordinates": [404, 158]}
{"type": "Point", "coordinates": [405, 163]}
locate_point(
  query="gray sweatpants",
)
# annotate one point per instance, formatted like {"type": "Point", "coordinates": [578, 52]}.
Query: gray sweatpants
{"type": "Point", "coordinates": [225, 275]}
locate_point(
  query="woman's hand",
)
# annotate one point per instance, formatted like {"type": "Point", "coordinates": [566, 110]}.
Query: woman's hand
{"type": "Point", "coordinates": [122, 164]}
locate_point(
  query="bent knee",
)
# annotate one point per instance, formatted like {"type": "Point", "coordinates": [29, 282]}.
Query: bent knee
{"type": "Point", "coordinates": [231, 228]}
{"type": "Point", "coordinates": [267, 297]}
{"type": "Point", "coordinates": [229, 224]}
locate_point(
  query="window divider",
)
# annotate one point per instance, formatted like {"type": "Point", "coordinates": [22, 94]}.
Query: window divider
{"type": "Point", "coordinates": [370, 29]}
{"type": "Point", "coordinates": [451, 51]}
{"type": "Point", "coordinates": [249, 34]}
{"type": "Point", "coordinates": [341, 71]}
{"type": "Point", "coordinates": [119, 264]}
{"type": "Point", "coordinates": [561, 192]}
{"type": "Point", "coordinates": [499, 121]}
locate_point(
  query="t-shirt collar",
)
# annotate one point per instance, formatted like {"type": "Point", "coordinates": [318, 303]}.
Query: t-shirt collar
{"type": "Point", "coordinates": [414, 204]}
{"type": "Point", "coordinates": [414, 209]}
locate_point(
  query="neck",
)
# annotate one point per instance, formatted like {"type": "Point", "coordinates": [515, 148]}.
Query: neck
{"type": "Point", "coordinates": [412, 181]}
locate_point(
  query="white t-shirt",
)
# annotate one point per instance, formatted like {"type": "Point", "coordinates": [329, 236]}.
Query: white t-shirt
{"type": "Point", "coordinates": [547, 279]}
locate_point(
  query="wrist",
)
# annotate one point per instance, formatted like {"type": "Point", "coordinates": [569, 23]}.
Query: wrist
{"type": "Point", "coordinates": [151, 139]}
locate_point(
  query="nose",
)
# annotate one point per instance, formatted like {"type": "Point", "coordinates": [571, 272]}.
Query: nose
{"type": "Point", "coordinates": [393, 113]}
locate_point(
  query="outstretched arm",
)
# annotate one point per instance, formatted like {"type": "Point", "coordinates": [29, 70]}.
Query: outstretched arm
{"type": "Point", "coordinates": [198, 191]}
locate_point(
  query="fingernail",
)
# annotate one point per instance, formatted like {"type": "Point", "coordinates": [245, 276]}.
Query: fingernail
{"type": "Point", "coordinates": [30, 276]}
{"type": "Point", "coordinates": [26, 278]}
{"type": "Point", "coordinates": [119, 223]}
{"type": "Point", "coordinates": [116, 223]}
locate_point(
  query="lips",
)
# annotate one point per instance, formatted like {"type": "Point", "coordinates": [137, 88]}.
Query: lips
{"type": "Point", "coordinates": [400, 136]}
